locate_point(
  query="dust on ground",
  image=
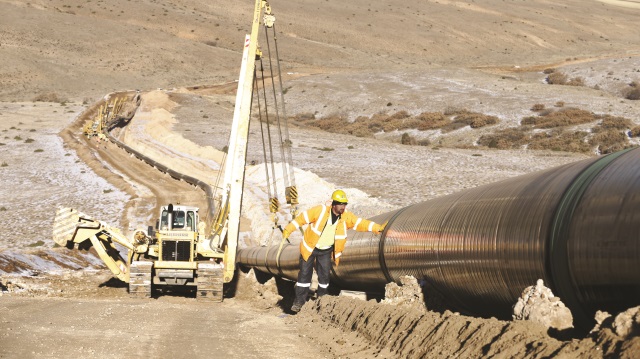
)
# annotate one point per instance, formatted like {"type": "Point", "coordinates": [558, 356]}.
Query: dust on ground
{"type": "Point", "coordinates": [352, 58]}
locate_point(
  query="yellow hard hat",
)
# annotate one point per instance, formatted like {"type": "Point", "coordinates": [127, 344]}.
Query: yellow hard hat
{"type": "Point", "coordinates": [339, 196]}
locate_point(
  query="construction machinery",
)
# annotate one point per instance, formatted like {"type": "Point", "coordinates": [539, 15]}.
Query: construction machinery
{"type": "Point", "coordinates": [181, 249]}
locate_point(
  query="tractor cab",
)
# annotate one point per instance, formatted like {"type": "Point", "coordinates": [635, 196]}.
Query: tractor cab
{"type": "Point", "coordinates": [178, 218]}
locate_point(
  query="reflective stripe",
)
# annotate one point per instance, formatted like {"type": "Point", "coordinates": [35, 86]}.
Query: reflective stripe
{"type": "Point", "coordinates": [370, 227]}
{"type": "Point", "coordinates": [319, 220]}
{"type": "Point", "coordinates": [306, 216]}
{"type": "Point", "coordinates": [323, 285]}
{"type": "Point", "coordinates": [341, 237]}
{"type": "Point", "coordinates": [338, 254]}
{"type": "Point", "coordinates": [304, 243]}
{"type": "Point", "coordinates": [357, 223]}
{"type": "Point", "coordinates": [307, 285]}
{"type": "Point", "coordinates": [314, 230]}
{"type": "Point", "coordinates": [295, 224]}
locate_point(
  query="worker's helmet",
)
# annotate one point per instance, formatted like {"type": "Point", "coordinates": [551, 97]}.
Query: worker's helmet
{"type": "Point", "coordinates": [339, 196]}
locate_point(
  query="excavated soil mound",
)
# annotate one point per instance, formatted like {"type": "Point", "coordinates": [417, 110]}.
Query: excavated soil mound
{"type": "Point", "coordinates": [399, 331]}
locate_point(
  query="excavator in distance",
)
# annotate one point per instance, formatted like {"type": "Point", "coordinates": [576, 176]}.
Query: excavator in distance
{"type": "Point", "coordinates": [181, 250]}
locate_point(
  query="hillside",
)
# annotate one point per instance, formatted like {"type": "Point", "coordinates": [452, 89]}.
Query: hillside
{"type": "Point", "coordinates": [344, 62]}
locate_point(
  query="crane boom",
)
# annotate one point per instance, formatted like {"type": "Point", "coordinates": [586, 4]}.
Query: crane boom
{"type": "Point", "coordinates": [237, 150]}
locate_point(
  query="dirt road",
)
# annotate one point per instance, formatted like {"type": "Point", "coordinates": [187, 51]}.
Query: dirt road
{"type": "Point", "coordinates": [88, 315]}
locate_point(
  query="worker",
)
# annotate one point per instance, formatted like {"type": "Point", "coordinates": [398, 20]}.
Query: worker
{"type": "Point", "coordinates": [323, 242]}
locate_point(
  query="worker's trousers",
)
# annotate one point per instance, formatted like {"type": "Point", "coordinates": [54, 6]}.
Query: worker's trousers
{"type": "Point", "coordinates": [320, 259]}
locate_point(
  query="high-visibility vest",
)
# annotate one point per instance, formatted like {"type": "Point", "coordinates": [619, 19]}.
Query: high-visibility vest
{"type": "Point", "coordinates": [316, 218]}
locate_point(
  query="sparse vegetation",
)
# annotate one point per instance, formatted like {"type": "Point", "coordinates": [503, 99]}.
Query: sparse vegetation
{"type": "Point", "coordinates": [400, 121]}
{"type": "Point", "coordinates": [559, 104]}
{"type": "Point", "coordinates": [510, 138]}
{"type": "Point", "coordinates": [633, 94]}
{"type": "Point", "coordinates": [635, 132]}
{"type": "Point", "coordinates": [576, 81]}
{"type": "Point", "coordinates": [105, 191]}
{"type": "Point", "coordinates": [39, 150]}
{"type": "Point", "coordinates": [537, 107]}
{"type": "Point", "coordinates": [17, 138]}
{"type": "Point", "coordinates": [36, 244]}
{"type": "Point", "coordinates": [49, 97]}
{"type": "Point", "coordinates": [612, 123]}
{"type": "Point", "coordinates": [609, 141]}
{"type": "Point", "coordinates": [4, 164]}
{"type": "Point", "coordinates": [29, 140]}
{"type": "Point", "coordinates": [560, 141]}
{"type": "Point", "coordinates": [564, 117]}
{"type": "Point", "coordinates": [557, 78]}
{"type": "Point", "coordinates": [407, 139]}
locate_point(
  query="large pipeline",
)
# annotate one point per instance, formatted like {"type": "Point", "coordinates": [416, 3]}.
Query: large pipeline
{"type": "Point", "coordinates": [577, 227]}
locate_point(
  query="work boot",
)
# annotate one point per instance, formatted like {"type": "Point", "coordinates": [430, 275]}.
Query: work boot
{"type": "Point", "coordinates": [322, 291]}
{"type": "Point", "coordinates": [296, 307]}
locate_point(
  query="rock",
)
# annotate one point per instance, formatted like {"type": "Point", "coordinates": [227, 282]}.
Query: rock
{"type": "Point", "coordinates": [627, 323]}
{"type": "Point", "coordinates": [537, 303]}
{"type": "Point", "coordinates": [408, 293]}
{"type": "Point", "coordinates": [600, 317]}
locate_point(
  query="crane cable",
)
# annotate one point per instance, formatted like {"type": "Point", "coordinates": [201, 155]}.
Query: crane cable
{"type": "Point", "coordinates": [274, 204]}
{"type": "Point", "coordinates": [291, 192]}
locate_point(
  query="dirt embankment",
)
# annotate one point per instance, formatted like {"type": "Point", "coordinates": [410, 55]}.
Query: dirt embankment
{"type": "Point", "coordinates": [409, 333]}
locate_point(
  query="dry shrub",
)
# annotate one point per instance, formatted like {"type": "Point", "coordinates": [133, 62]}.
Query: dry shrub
{"type": "Point", "coordinates": [545, 112]}
{"type": "Point", "coordinates": [359, 127]}
{"type": "Point", "coordinates": [576, 81]}
{"type": "Point", "coordinates": [306, 116]}
{"type": "Point", "coordinates": [331, 123]}
{"type": "Point", "coordinates": [609, 141]}
{"type": "Point", "coordinates": [537, 107]}
{"type": "Point", "coordinates": [635, 132]}
{"type": "Point", "coordinates": [473, 119]}
{"type": "Point", "coordinates": [557, 78]}
{"type": "Point", "coordinates": [559, 104]}
{"type": "Point", "coordinates": [407, 139]}
{"type": "Point", "coordinates": [510, 138]}
{"type": "Point", "coordinates": [431, 121]}
{"type": "Point", "coordinates": [452, 111]}
{"type": "Point", "coordinates": [612, 123]}
{"type": "Point", "coordinates": [565, 117]}
{"type": "Point", "coordinates": [633, 94]}
{"type": "Point", "coordinates": [560, 141]}
{"type": "Point", "coordinates": [49, 97]}
{"type": "Point", "coordinates": [400, 115]}
{"type": "Point", "coordinates": [548, 71]}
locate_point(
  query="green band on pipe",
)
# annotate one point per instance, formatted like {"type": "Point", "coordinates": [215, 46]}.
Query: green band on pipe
{"type": "Point", "coordinates": [558, 260]}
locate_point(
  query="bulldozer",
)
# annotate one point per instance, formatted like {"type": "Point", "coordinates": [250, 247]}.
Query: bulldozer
{"type": "Point", "coordinates": [181, 250]}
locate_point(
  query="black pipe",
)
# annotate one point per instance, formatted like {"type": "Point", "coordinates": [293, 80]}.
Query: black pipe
{"type": "Point", "coordinates": [576, 226]}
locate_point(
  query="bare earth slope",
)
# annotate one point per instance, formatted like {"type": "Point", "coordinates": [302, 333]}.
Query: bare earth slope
{"type": "Point", "coordinates": [354, 58]}
{"type": "Point", "coordinates": [82, 49]}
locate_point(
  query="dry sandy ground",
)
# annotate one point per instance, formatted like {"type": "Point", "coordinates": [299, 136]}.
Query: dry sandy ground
{"type": "Point", "coordinates": [355, 58]}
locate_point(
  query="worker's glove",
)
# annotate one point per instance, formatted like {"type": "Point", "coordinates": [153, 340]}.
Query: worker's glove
{"type": "Point", "coordinates": [285, 235]}
{"type": "Point", "coordinates": [381, 227]}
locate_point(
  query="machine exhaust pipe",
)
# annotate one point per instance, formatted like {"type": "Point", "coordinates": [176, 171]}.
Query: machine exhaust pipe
{"type": "Point", "coordinates": [577, 227]}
